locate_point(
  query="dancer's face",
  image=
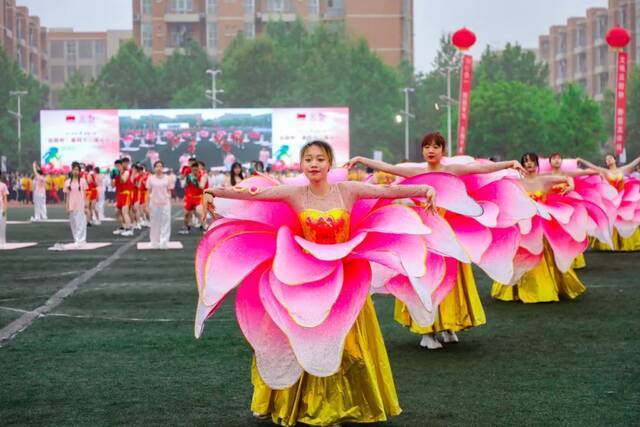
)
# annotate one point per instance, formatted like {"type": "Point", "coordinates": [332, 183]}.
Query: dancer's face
{"type": "Point", "coordinates": [610, 161]}
{"type": "Point", "coordinates": [75, 171]}
{"type": "Point", "coordinates": [556, 162]}
{"type": "Point", "coordinates": [315, 164]}
{"type": "Point", "coordinates": [530, 166]}
{"type": "Point", "coordinates": [432, 153]}
{"type": "Point", "coordinates": [158, 168]}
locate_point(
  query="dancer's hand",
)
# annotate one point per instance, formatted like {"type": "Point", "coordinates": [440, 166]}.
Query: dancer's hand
{"type": "Point", "coordinates": [430, 200]}
{"type": "Point", "coordinates": [208, 204]}
{"type": "Point", "coordinates": [353, 162]}
{"type": "Point", "coordinates": [518, 167]}
{"type": "Point", "coordinates": [569, 188]}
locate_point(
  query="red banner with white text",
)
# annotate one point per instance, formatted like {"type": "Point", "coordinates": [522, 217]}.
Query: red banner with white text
{"type": "Point", "coordinates": [465, 97]}
{"type": "Point", "coordinates": [621, 102]}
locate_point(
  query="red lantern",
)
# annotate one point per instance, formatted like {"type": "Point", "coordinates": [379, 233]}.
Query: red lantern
{"type": "Point", "coordinates": [618, 37]}
{"type": "Point", "coordinates": [463, 39]}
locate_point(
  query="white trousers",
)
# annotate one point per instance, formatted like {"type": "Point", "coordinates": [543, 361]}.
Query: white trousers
{"type": "Point", "coordinates": [78, 223]}
{"type": "Point", "coordinates": [100, 205]}
{"type": "Point", "coordinates": [3, 229]}
{"type": "Point", "coordinates": [40, 206]}
{"type": "Point", "coordinates": [160, 232]}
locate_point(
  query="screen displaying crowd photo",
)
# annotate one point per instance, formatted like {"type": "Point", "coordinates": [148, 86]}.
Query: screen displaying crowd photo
{"type": "Point", "coordinates": [219, 137]}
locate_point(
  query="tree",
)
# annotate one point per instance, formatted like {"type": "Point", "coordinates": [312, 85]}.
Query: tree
{"type": "Point", "coordinates": [579, 129]}
{"type": "Point", "coordinates": [181, 73]}
{"type": "Point", "coordinates": [78, 94]}
{"type": "Point", "coordinates": [507, 119]}
{"type": "Point", "coordinates": [512, 64]}
{"type": "Point", "coordinates": [130, 80]}
{"type": "Point", "coordinates": [13, 78]}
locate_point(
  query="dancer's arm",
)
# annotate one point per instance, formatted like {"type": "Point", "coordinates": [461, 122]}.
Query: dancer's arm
{"type": "Point", "coordinates": [592, 166]}
{"type": "Point", "coordinates": [480, 168]}
{"type": "Point", "coordinates": [404, 171]}
{"type": "Point", "coordinates": [35, 169]}
{"type": "Point", "coordinates": [280, 192]}
{"type": "Point", "coordinates": [629, 167]}
{"type": "Point", "coordinates": [361, 190]}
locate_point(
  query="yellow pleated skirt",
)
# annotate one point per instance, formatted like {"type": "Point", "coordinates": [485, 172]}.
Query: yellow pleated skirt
{"type": "Point", "coordinates": [579, 262]}
{"type": "Point", "coordinates": [460, 310]}
{"type": "Point", "coordinates": [545, 283]}
{"type": "Point", "coordinates": [362, 391]}
{"type": "Point", "coordinates": [620, 244]}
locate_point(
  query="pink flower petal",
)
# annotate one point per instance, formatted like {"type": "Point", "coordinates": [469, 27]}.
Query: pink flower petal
{"type": "Point", "coordinates": [497, 260]}
{"type": "Point", "coordinates": [474, 237]}
{"type": "Point", "coordinates": [442, 238]}
{"type": "Point", "coordinates": [275, 360]}
{"type": "Point", "coordinates": [404, 253]}
{"type": "Point", "coordinates": [393, 219]}
{"type": "Point", "coordinates": [451, 192]}
{"type": "Point", "coordinates": [309, 304]}
{"type": "Point", "coordinates": [319, 350]}
{"type": "Point", "coordinates": [293, 266]}
{"type": "Point", "coordinates": [332, 252]}
{"type": "Point", "coordinates": [400, 287]}
{"type": "Point", "coordinates": [565, 249]}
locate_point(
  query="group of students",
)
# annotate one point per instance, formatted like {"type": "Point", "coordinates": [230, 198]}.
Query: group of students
{"type": "Point", "coordinates": [312, 255]}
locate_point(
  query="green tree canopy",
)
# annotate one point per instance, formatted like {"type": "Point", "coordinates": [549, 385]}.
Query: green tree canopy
{"type": "Point", "coordinates": [511, 64]}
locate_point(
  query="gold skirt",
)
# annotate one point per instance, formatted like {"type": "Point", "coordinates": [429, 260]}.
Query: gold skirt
{"type": "Point", "coordinates": [545, 283]}
{"type": "Point", "coordinates": [620, 244]}
{"type": "Point", "coordinates": [579, 262]}
{"type": "Point", "coordinates": [362, 391]}
{"type": "Point", "coordinates": [460, 310]}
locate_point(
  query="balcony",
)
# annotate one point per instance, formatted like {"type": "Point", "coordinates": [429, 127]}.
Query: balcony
{"type": "Point", "coordinates": [8, 32]}
{"type": "Point", "coordinates": [559, 80]}
{"type": "Point", "coordinates": [277, 16]}
{"type": "Point", "coordinates": [599, 41]}
{"type": "Point", "coordinates": [180, 16]}
{"type": "Point", "coordinates": [600, 69]}
{"type": "Point", "coordinates": [579, 74]}
{"type": "Point", "coordinates": [561, 55]}
{"type": "Point", "coordinates": [579, 49]}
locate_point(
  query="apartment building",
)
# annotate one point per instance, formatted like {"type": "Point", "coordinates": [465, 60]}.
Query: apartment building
{"type": "Point", "coordinates": [577, 52]}
{"type": "Point", "coordinates": [24, 40]}
{"type": "Point", "coordinates": [161, 26]}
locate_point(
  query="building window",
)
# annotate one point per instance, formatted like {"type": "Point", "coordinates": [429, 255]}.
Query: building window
{"type": "Point", "coordinates": [623, 20]}
{"type": "Point", "coordinates": [71, 70]}
{"type": "Point", "coordinates": [181, 6]}
{"type": "Point", "coordinates": [249, 30]}
{"type": "Point", "coordinates": [212, 7]}
{"type": "Point", "coordinates": [249, 7]}
{"type": "Point", "coordinates": [601, 83]}
{"type": "Point", "coordinates": [562, 43]}
{"type": "Point", "coordinates": [33, 40]}
{"type": "Point", "coordinates": [581, 36]}
{"type": "Point", "coordinates": [212, 35]}
{"type": "Point", "coordinates": [179, 35]}
{"type": "Point", "coordinates": [147, 35]}
{"type": "Point", "coordinates": [85, 49]}
{"type": "Point", "coordinates": [145, 7]}
{"type": "Point", "coordinates": [314, 7]}
{"type": "Point", "coordinates": [601, 27]}
{"type": "Point", "coordinates": [71, 51]}
{"type": "Point", "coordinates": [57, 49]}
{"type": "Point", "coordinates": [101, 49]}
{"type": "Point", "coordinates": [57, 74]}
{"type": "Point", "coordinates": [562, 69]}
{"type": "Point", "coordinates": [581, 65]}
{"type": "Point", "coordinates": [276, 5]}
{"type": "Point", "coordinates": [602, 56]}
{"type": "Point", "coordinates": [86, 71]}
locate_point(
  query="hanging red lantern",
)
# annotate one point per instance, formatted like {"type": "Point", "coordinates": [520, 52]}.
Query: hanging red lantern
{"type": "Point", "coordinates": [463, 39]}
{"type": "Point", "coordinates": [618, 37]}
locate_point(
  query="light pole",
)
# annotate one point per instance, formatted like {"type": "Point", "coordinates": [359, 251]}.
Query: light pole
{"type": "Point", "coordinates": [212, 94]}
{"type": "Point", "coordinates": [407, 115]}
{"type": "Point", "coordinates": [447, 98]}
{"type": "Point", "coordinates": [18, 115]}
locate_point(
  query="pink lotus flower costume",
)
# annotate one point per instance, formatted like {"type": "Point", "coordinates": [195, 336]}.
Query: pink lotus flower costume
{"type": "Point", "coordinates": [303, 279]}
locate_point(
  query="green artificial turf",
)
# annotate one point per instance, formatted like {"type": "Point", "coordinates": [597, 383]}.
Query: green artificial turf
{"type": "Point", "coordinates": [120, 351]}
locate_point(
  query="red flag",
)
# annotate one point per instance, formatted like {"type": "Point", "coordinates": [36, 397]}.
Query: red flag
{"type": "Point", "coordinates": [465, 96]}
{"type": "Point", "coordinates": [621, 102]}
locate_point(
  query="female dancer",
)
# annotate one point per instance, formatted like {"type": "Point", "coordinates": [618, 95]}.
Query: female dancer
{"type": "Point", "coordinates": [548, 281]}
{"type": "Point", "coordinates": [462, 308]}
{"type": "Point", "coordinates": [626, 234]}
{"type": "Point", "coordinates": [236, 175]}
{"type": "Point", "coordinates": [39, 194]}
{"type": "Point", "coordinates": [319, 355]}
{"type": "Point", "coordinates": [75, 189]}
{"type": "Point", "coordinates": [160, 187]}
{"type": "Point", "coordinates": [555, 161]}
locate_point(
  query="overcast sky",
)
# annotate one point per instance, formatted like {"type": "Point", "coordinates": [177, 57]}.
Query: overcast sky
{"type": "Point", "coordinates": [495, 22]}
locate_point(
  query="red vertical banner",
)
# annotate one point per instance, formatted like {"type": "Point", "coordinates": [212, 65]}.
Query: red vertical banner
{"type": "Point", "coordinates": [465, 96]}
{"type": "Point", "coordinates": [621, 102]}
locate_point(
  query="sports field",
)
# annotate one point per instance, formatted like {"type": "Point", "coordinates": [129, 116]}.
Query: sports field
{"type": "Point", "coordinates": [120, 349]}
